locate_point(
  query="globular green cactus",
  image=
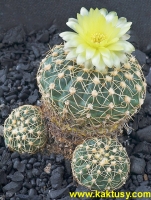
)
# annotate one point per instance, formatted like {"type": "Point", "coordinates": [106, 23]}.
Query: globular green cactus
{"type": "Point", "coordinates": [85, 100]}
{"type": "Point", "coordinates": [24, 129]}
{"type": "Point", "coordinates": [100, 164]}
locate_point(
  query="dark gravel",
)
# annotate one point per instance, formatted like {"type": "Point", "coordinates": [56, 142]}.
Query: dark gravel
{"type": "Point", "coordinates": [23, 176]}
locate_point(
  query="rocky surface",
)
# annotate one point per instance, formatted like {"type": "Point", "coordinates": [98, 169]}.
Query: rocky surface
{"type": "Point", "coordinates": [44, 177]}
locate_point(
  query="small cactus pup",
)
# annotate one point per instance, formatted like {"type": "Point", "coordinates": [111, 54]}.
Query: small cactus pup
{"type": "Point", "coordinates": [100, 164]}
{"type": "Point", "coordinates": [92, 85]}
{"type": "Point", "coordinates": [24, 130]}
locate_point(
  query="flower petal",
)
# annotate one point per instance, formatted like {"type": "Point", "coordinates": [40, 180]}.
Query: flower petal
{"type": "Point", "coordinates": [116, 39]}
{"type": "Point", "coordinates": [115, 59]}
{"type": "Point", "coordinates": [68, 35]}
{"type": "Point", "coordinates": [71, 43]}
{"type": "Point", "coordinates": [72, 20]}
{"type": "Point", "coordinates": [128, 47]}
{"type": "Point", "coordinates": [121, 21]}
{"type": "Point", "coordinates": [108, 61]}
{"type": "Point", "coordinates": [80, 59]}
{"type": "Point", "coordinates": [84, 11]}
{"type": "Point", "coordinates": [100, 66]}
{"type": "Point", "coordinates": [99, 39]}
{"type": "Point", "coordinates": [96, 60]}
{"type": "Point", "coordinates": [73, 25]}
{"type": "Point", "coordinates": [103, 11]}
{"type": "Point", "coordinates": [116, 47]}
{"type": "Point", "coordinates": [80, 48]}
{"type": "Point", "coordinates": [71, 55]}
{"type": "Point", "coordinates": [125, 29]}
{"type": "Point", "coordinates": [89, 53]}
{"type": "Point", "coordinates": [125, 37]}
{"type": "Point", "coordinates": [121, 56]}
{"type": "Point", "coordinates": [105, 52]}
{"type": "Point", "coordinates": [88, 64]}
{"type": "Point", "coordinates": [110, 16]}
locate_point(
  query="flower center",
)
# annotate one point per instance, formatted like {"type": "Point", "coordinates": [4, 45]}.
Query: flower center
{"type": "Point", "coordinates": [97, 37]}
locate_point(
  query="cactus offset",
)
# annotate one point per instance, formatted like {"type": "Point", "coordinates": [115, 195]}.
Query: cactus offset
{"type": "Point", "coordinates": [24, 129]}
{"type": "Point", "coordinates": [100, 164]}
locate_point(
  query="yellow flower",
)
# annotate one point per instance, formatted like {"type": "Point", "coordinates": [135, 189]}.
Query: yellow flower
{"type": "Point", "coordinates": [99, 40]}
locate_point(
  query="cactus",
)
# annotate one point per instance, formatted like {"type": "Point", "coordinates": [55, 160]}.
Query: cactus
{"type": "Point", "coordinates": [100, 164]}
{"type": "Point", "coordinates": [87, 101]}
{"type": "Point", "coordinates": [24, 129]}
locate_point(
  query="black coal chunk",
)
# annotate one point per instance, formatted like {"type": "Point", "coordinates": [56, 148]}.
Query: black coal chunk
{"type": "Point", "coordinates": [17, 176]}
{"type": "Point", "coordinates": [68, 167]}
{"type": "Point", "coordinates": [34, 97]}
{"type": "Point", "coordinates": [148, 49]}
{"type": "Point", "coordinates": [81, 188]}
{"type": "Point", "coordinates": [129, 149]}
{"type": "Point", "coordinates": [140, 178]}
{"type": "Point", "coordinates": [35, 51]}
{"type": "Point", "coordinates": [1, 92]}
{"type": "Point", "coordinates": [134, 40]}
{"type": "Point", "coordinates": [32, 192]}
{"type": "Point", "coordinates": [143, 188]}
{"type": "Point", "coordinates": [142, 147]}
{"type": "Point", "coordinates": [148, 167]}
{"type": "Point", "coordinates": [14, 35]}
{"type": "Point", "coordinates": [14, 155]}
{"type": "Point", "coordinates": [59, 158]}
{"type": "Point", "coordinates": [55, 40]}
{"type": "Point", "coordinates": [55, 194]}
{"type": "Point", "coordinates": [5, 111]}
{"type": "Point", "coordinates": [12, 187]}
{"type": "Point", "coordinates": [141, 57]}
{"type": "Point", "coordinates": [137, 165]}
{"type": "Point", "coordinates": [148, 78]}
{"type": "Point", "coordinates": [22, 197]}
{"type": "Point", "coordinates": [144, 134]}
{"type": "Point", "coordinates": [43, 37]}
{"type": "Point", "coordinates": [2, 143]}
{"type": "Point", "coordinates": [57, 177]}
{"type": "Point", "coordinates": [3, 176]}
{"type": "Point", "coordinates": [69, 198]}
{"type": "Point", "coordinates": [19, 166]}
{"type": "Point", "coordinates": [24, 156]}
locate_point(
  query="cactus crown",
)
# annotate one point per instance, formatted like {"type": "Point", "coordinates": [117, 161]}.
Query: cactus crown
{"type": "Point", "coordinates": [24, 129]}
{"type": "Point", "coordinates": [100, 164]}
